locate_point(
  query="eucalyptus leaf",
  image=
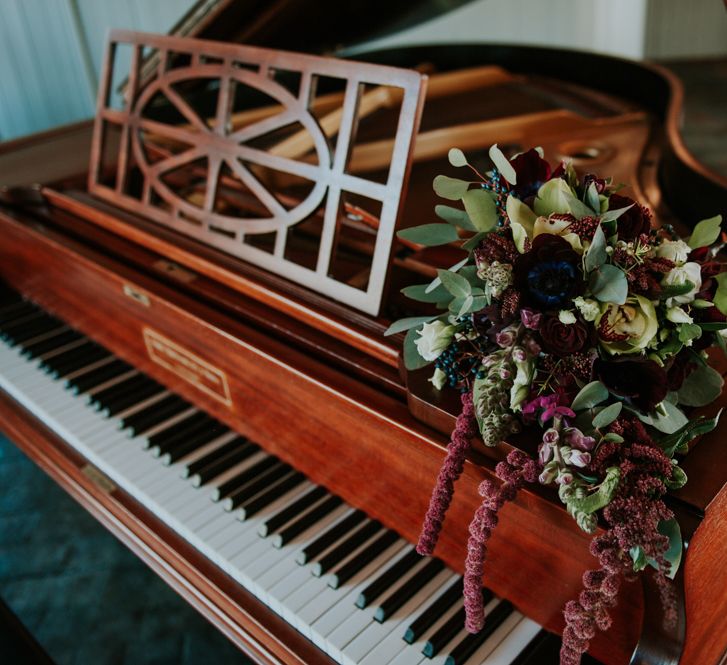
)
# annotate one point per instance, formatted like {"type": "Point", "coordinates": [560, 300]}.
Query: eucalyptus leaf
{"type": "Point", "coordinates": [609, 284]}
{"type": "Point", "coordinates": [577, 208]}
{"type": "Point", "coordinates": [454, 216]}
{"type": "Point", "coordinates": [596, 254]}
{"type": "Point", "coordinates": [701, 387]}
{"type": "Point", "coordinates": [712, 326]}
{"type": "Point", "coordinates": [612, 215]}
{"type": "Point", "coordinates": [673, 555]}
{"type": "Point", "coordinates": [607, 415]}
{"type": "Point", "coordinates": [481, 209]}
{"type": "Point", "coordinates": [688, 331]}
{"type": "Point", "coordinates": [589, 396]}
{"type": "Point", "coordinates": [615, 438]}
{"type": "Point", "coordinates": [668, 422]}
{"type": "Point", "coordinates": [412, 359]}
{"type": "Point", "coordinates": [638, 556]}
{"type": "Point", "coordinates": [456, 157]}
{"type": "Point", "coordinates": [473, 242]}
{"type": "Point", "coordinates": [457, 285]}
{"type": "Point", "coordinates": [420, 293]}
{"type": "Point", "coordinates": [678, 478]}
{"type": "Point", "coordinates": [720, 297]}
{"type": "Point", "coordinates": [430, 235]}
{"type": "Point", "coordinates": [466, 306]}
{"type": "Point", "coordinates": [705, 232]}
{"type": "Point", "coordinates": [591, 198]}
{"type": "Point", "coordinates": [436, 281]}
{"type": "Point", "coordinates": [405, 324]}
{"type": "Point", "coordinates": [503, 165]}
{"type": "Point", "coordinates": [601, 497]}
{"type": "Point", "coordinates": [675, 290]}
{"type": "Point", "coordinates": [450, 188]}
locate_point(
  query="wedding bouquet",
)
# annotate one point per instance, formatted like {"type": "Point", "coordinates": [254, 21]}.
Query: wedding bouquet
{"type": "Point", "coordinates": [572, 314]}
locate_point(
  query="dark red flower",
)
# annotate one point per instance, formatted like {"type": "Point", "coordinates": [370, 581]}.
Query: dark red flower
{"type": "Point", "coordinates": [681, 366]}
{"type": "Point", "coordinates": [635, 221]}
{"type": "Point", "coordinates": [563, 339]}
{"type": "Point", "coordinates": [548, 276]}
{"type": "Point", "coordinates": [532, 171]}
{"type": "Point", "coordinates": [642, 381]}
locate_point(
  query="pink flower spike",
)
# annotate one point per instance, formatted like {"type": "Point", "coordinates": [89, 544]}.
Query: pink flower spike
{"type": "Point", "coordinates": [450, 471]}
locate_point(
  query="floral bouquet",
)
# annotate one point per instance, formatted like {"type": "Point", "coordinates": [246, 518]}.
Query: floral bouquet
{"type": "Point", "coordinates": [571, 313]}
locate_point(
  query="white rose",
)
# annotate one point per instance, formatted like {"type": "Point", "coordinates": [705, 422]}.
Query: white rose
{"type": "Point", "coordinates": [588, 308]}
{"type": "Point", "coordinates": [678, 315]}
{"type": "Point", "coordinates": [689, 272]}
{"type": "Point", "coordinates": [438, 379]}
{"type": "Point", "coordinates": [674, 250]}
{"type": "Point", "coordinates": [433, 339]}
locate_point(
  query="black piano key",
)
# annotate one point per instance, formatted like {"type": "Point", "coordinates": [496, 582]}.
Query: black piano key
{"type": "Point", "coordinates": [282, 517]}
{"type": "Point", "coordinates": [194, 433]}
{"type": "Point", "coordinates": [387, 578]}
{"type": "Point", "coordinates": [15, 311]}
{"type": "Point", "coordinates": [305, 521]}
{"type": "Point", "coordinates": [95, 377]}
{"type": "Point", "coordinates": [237, 444]}
{"type": "Point", "coordinates": [51, 343]}
{"type": "Point", "coordinates": [331, 536]}
{"type": "Point", "coordinates": [433, 612]}
{"type": "Point", "coordinates": [129, 399]}
{"type": "Point", "coordinates": [27, 329]}
{"type": "Point", "coordinates": [447, 632]}
{"type": "Point", "coordinates": [215, 469]}
{"type": "Point", "coordinates": [362, 559]}
{"type": "Point", "coordinates": [180, 426]}
{"type": "Point", "coordinates": [263, 500]}
{"type": "Point", "coordinates": [469, 644]}
{"type": "Point", "coordinates": [346, 547]}
{"type": "Point", "coordinates": [101, 398]}
{"type": "Point", "coordinates": [65, 363]}
{"type": "Point", "coordinates": [174, 455]}
{"type": "Point", "coordinates": [240, 479]}
{"type": "Point", "coordinates": [152, 415]}
{"type": "Point", "coordinates": [395, 600]}
{"type": "Point", "coordinates": [256, 483]}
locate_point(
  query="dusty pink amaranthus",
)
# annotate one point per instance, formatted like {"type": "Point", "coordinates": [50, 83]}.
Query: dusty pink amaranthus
{"type": "Point", "coordinates": [518, 469]}
{"type": "Point", "coordinates": [451, 470]}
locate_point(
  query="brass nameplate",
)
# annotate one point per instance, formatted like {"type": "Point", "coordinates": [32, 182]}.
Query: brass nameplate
{"type": "Point", "coordinates": [101, 480]}
{"type": "Point", "coordinates": [190, 367]}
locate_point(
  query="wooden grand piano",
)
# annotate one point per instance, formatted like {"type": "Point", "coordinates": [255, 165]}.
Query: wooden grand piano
{"type": "Point", "coordinates": [147, 364]}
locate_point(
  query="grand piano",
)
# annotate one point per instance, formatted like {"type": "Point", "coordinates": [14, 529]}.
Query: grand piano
{"type": "Point", "coordinates": [155, 357]}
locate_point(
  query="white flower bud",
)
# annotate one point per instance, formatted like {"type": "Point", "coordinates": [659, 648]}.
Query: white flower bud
{"type": "Point", "coordinates": [438, 379]}
{"type": "Point", "coordinates": [433, 339]}
{"type": "Point", "coordinates": [588, 308]}
{"type": "Point", "coordinates": [678, 315]}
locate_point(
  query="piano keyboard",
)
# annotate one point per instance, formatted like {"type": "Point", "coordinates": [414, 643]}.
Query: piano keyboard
{"type": "Point", "coordinates": [354, 588]}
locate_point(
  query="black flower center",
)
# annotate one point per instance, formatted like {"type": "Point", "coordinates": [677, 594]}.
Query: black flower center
{"type": "Point", "coordinates": [552, 282]}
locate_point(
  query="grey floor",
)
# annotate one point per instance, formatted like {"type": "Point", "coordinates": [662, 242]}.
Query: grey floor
{"type": "Point", "coordinates": [89, 601]}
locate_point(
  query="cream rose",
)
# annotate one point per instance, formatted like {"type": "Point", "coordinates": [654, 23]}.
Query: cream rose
{"type": "Point", "coordinates": [433, 339]}
{"type": "Point", "coordinates": [674, 250]}
{"type": "Point", "coordinates": [689, 272]}
{"type": "Point", "coordinates": [627, 328]}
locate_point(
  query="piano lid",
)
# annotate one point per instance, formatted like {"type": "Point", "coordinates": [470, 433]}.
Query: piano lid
{"type": "Point", "coordinates": [261, 154]}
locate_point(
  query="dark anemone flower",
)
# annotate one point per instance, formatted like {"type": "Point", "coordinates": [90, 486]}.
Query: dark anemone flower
{"type": "Point", "coordinates": [532, 171]}
{"type": "Point", "coordinates": [632, 223]}
{"type": "Point", "coordinates": [680, 367]}
{"type": "Point", "coordinates": [548, 276]}
{"type": "Point", "coordinates": [640, 380]}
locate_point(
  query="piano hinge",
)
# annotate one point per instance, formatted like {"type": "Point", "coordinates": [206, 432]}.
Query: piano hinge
{"type": "Point", "coordinates": [174, 271]}
{"type": "Point", "coordinates": [101, 480]}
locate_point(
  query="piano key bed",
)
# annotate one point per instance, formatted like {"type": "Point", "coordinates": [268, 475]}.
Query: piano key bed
{"type": "Point", "coordinates": [354, 588]}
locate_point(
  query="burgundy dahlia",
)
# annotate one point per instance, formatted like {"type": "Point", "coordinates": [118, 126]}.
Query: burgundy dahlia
{"type": "Point", "coordinates": [635, 221]}
{"type": "Point", "coordinates": [563, 339]}
{"type": "Point", "coordinates": [548, 276]}
{"type": "Point", "coordinates": [638, 379]}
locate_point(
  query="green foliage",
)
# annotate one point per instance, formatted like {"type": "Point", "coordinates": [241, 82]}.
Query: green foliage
{"type": "Point", "coordinates": [678, 478]}
{"type": "Point", "coordinates": [454, 216]}
{"type": "Point", "coordinates": [437, 282]}
{"type": "Point", "coordinates": [607, 415]}
{"type": "Point", "coordinates": [450, 188]}
{"type": "Point", "coordinates": [609, 284]}
{"type": "Point", "coordinates": [705, 232]}
{"type": "Point", "coordinates": [720, 297]}
{"type": "Point", "coordinates": [596, 255]}
{"type": "Point", "coordinates": [677, 441]}
{"type": "Point", "coordinates": [667, 418]}
{"type": "Point", "coordinates": [481, 209]}
{"type": "Point", "coordinates": [430, 235]}
{"type": "Point", "coordinates": [502, 164]}
{"type": "Point", "coordinates": [591, 394]}
{"type": "Point", "coordinates": [675, 290]}
{"type": "Point", "coordinates": [591, 198]}
{"type": "Point", "coordinates": [412, 359]}
{"type": "Point", "coordinates": [583, 506]}
{"type": "Point", "coordinates": [457, 285]}
{"type": "Point", "coordinates": [701, 387]}
{"type": "Point", "coordinates": [456, 157]}
{"type": "Point", "coordinates": [613, 215]}
{"type": "Point", "coordinates": [410, 322]}
{"type": "Point", "coordinates": [421, 293]}
{"type": "Point", "coordinates": [670, 529]}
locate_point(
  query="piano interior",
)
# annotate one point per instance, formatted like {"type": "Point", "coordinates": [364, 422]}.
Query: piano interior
{"type": "Point", "coordinates": [152, 359]}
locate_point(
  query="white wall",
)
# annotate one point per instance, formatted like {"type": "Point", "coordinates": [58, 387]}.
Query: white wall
{"type": "Point", "coordinates": [50, 54]}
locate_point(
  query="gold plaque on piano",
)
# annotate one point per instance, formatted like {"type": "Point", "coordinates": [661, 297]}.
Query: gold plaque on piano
{"type": "Point", "coordinates": [263, 154]}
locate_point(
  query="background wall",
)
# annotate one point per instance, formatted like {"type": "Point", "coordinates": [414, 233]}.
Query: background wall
{"type": "Point", "coordinates": [50, 50]}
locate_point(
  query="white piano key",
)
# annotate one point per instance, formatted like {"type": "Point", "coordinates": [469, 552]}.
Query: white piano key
{"type": "Point", "coordinates": [509, 648]}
